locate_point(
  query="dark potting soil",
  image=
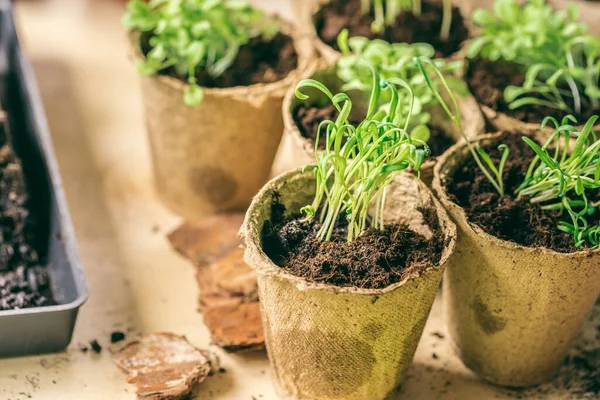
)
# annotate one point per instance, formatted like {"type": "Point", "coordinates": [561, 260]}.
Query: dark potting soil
{"type": "Point", "coordinates": [24, 280]}
{"type": "Point", "coordinates": [259, 61]}
{"type": "Point", "coordinates": [308, 118]}
{"type": "Point", "coordinates": [408, 28]}
{"type": "Point", "coordinates": [507, 217]}
{"type": "Point", "coordinates": [487, 81]}
{"type": "Point", "coordinates": [374, 260]}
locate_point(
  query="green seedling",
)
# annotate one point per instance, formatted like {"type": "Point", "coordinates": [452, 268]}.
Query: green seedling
{"type": "Point", "coordinates": [561, 61]}
{"type": "Point", "coordinates": [189, 35]}
{"type": "Point", "coordinates": [561, 175]}
{"type": "Point", "coordinates": [359, 162]}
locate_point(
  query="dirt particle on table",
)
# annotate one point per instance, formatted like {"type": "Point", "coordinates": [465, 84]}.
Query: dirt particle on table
{"type": "Point", "coordinates": [117, 336]}
{"type": "Point", "coordinates": [438, 335]}
{"type": "Point", "coordinates": [408, 28]}
{"type": "Point", "coordinates": [95, 346]}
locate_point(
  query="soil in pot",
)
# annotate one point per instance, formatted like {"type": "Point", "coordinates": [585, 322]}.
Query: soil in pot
{"type": "Point", "coordinates": [487, 81]}
{"type": "Point", "coordinates": [408, 28]}
{"type": "Point", "coordinates": [308, 118]}
{"type": "Point", "coordinates": [259, 61]}
{"type": "Point", "coordinates": [374, 260]}
{"type": "Point", "coordinates": [509, 218]}
{"type": "Point", "coordinates": [24, 280]}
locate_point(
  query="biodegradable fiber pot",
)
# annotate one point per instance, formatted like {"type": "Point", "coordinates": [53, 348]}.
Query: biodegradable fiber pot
{"type": "Point", "coordinates": [215, 156]}
{"type": "Point", "coordinates": [512, 311]}
{"type": "Point", "coordinates": [327, 342]}
{"type": "Point", "coordinates": [302, 152]}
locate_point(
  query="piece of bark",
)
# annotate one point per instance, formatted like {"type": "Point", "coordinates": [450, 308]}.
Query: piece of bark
{"type": "Point", "coordinates": [162, 365]}
{"type": "Point", "coordinates": [206, 241]}
{"type": "Point", "coordinates": [229, 302]}
{"type": "Point", "coordinates": [228, 290]}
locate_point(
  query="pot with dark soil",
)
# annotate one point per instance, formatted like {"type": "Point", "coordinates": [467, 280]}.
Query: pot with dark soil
{"type": "Point", "coordinates": [435, 22]}
{"type": "Point", "coordinates": [351, 73]}
{"type": "Point", "coordinates": [212, 97]}
{"type": "Point", "coordinates": [349, 256]}
{"type": "Point", "coordinates": [529, 62]}
{"type": "Point", "coordinates": [525, 274]}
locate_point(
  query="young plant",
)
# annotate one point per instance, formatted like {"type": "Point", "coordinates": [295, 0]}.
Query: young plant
{"type": "Point", "coordinates": [386, 12]}
{"type": "Point", "coordinates": [391, 60]}
{"type": "Point", "coordinates": [561, 175]}
{"type": "Point", "coordinates": [359, 162]}
{"type": "Point", "coordinates": [561, 61]}
{"type": "Point", "coordinates": [189, 35]}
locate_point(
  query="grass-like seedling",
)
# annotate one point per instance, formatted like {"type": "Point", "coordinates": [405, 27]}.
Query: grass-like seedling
{"type": "Point", "coordinates": [191, 34]}
{"type": "Point", "coordinates": [359, 162]}
{"type": "Point", "coordinates": [386, 12]}
{"type": "Point", "coordinates": [392, 61]}
{"type": "Point", "coordinates": [562, 61]}
{"type": "Point", "coordinates": [561, 175]}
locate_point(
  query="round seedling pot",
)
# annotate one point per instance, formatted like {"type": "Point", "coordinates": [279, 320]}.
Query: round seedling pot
{"type": "Point", "coordinates": [512, 311]}
{"type": "Point", "coordinates": [310, 14]}
{"type": "Point", "coordinates": [328, 342]}
{"type": "Point", "coordinates": [302, 151]}
{"type": "Point", "coordinates": [215, 156]}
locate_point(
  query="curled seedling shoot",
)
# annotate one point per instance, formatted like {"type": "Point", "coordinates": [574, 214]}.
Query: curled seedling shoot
{"type": "Point", "coordinates": [359, 162]}
{"type": "Point", "coordinates": [492, 172]}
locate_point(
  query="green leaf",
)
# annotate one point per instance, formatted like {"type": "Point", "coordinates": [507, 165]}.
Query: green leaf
{"type": "Point", "coordinates": [482, 17]}
{"type": "Point", "coordinates": [193, 95]}
{"type": "Point", "coordinates": [421, 132]}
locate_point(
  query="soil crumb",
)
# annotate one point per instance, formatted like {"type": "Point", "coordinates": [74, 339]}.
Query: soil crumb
{"type": "Point", "coordinates": [116, 337]}
{"type": "Point", "coordinates": [259, 61]}
{"type": "Point", "coordinates": [408, 28]}
{"type": "Point", "coordinates": [95, 346]}
{"type": "Point", "coordinates": [374, 260]}
{"type": "Point", "coordinates": [507, 217]}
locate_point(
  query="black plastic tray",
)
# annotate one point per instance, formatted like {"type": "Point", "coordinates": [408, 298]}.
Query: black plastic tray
{"type": "Point", "coordinates": [41, 329]}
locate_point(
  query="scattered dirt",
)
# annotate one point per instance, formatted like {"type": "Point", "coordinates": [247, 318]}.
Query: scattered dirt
{"type": "Point", "coordinates": [162, 366]}
{"type": "Point", "coordinates": [95, 346]}
{"type": "Point", "coordinates": [308, 118]}
{"type": "Point", "coordinates": [116, 337]}
{"type": "Point", "coordinates": [408, 28]}
{"type": "Point", "coordinates": [228, 289]}
{"type": "Point", "coordinates": [24, 280]}
{"type": "Point", "coordinates": [487, 80]}
{"type": "Point", "coordinates": [374, 260]}
{"type": "Point", "coordinates": [259, 61]}
{"type": "Point", "coordinates": [508, 218]}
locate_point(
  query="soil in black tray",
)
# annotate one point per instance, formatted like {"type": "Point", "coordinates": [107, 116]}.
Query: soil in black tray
{"type": "Point", "coordinates": [259, 61]}
{"type": "Point", "coordinates": [509, 218]}
{"type": "Point", "coordinates": [24, 281]}
{"type": "Point", "coordinates": [308, 118]}
{"type": "Point", "coordinates": [487, 81]}
{"type": "Point", "coordinates": [408, 28]}
{"type": "Point", "coordinates": [374, 260]}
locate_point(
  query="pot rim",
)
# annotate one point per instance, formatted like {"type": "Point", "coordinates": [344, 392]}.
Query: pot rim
{"type": "Point", "coordinates": [301, 43]}
{"type": "Point", "coordinates": [265, 266]}
{"type": "Point", "coordinates": [439, 174]}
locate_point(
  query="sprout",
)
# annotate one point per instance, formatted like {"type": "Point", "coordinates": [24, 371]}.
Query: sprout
{"type": "Point", "coordinates": [561, 61]}
{"type": "Point", "coordinates": [191, 34]}
{"type": "Point", "coordinates": [359, 162]}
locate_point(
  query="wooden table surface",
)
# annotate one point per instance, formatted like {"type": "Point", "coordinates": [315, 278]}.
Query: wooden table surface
{"type": "Point", "coordinates": [137, 283]}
